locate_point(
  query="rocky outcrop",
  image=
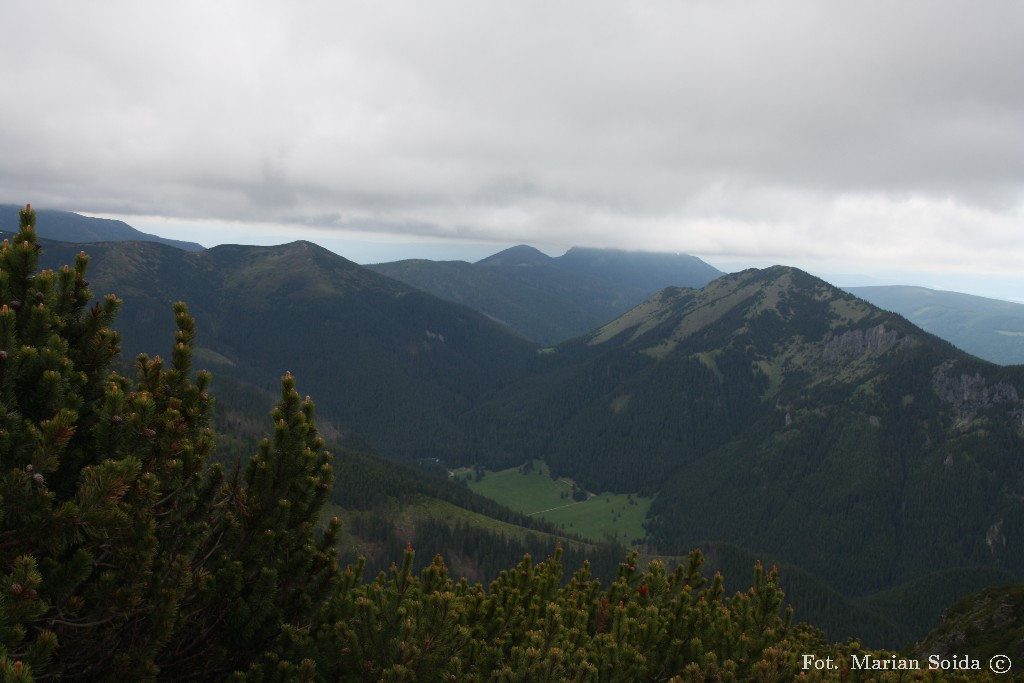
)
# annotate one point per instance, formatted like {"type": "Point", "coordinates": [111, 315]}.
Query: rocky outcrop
{"type": "Point", "coordinates": [980, 625]}
{"type": "Point", "coordinates": [969, 394]}
{"type": "Point", "coordinates": [874, 340]}
{"type": "Point", "coordinates": [994, 537]}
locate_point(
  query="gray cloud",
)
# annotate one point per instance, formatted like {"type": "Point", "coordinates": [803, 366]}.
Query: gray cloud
{"type": "Point", "coordinates": [725, 126]}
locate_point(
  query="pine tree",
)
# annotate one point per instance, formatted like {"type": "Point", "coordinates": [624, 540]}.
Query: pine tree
{"type": "Point", "coordinates": [266, 575]}
{"type": "Point", "coordinates": [104, 486]}
{"type": "Point", "coordinates": [123, 556]}
{"type": "Point", "coordinates": [65, 491]}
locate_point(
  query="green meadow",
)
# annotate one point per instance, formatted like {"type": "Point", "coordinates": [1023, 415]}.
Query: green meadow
{"type": "Point", "coordinates": [535, 493]}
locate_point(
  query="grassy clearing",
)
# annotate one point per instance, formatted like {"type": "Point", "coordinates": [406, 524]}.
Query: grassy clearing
{"type": "Point", "coordinates": [774, 373]}
{"type": "Point", "coordinates": [708, 359]}
{"type": "Point", "coordinates": [536, 493]}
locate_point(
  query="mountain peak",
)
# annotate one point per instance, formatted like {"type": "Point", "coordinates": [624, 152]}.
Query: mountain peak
{"type": "Point", "coordinates": [780, 301]}
{"type": "Point", "coordinates": [520, 255]}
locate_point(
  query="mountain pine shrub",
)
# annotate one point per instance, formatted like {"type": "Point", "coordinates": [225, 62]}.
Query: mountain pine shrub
{"type": "Point", "coordinates": [123, 556]}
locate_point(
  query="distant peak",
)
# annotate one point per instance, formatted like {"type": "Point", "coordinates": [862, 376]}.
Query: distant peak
{"type": "Point", "coordinates": [520, 255]}
{"type": "Point", "coordinates": [299, 251]}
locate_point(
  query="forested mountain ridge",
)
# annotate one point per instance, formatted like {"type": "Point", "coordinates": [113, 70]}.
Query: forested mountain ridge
{"type": "Point", "coordinates": [550, 299]}
{"type": "Point", "coordinates": [688, 369]}
{"type": "Point", "coordinates": [393, 365]}
{"type": "Point", "coordinates": [543, 318]}
{"type": "Point", "coordinates": [861, 447]}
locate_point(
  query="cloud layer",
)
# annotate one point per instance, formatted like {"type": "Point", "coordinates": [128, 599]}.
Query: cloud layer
{"type": "Point", "coordinates": [888, 132]}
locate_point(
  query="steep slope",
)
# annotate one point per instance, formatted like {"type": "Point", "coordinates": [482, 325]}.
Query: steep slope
{"type": "Point", "coordinates": [543, 318]}
{"type": "Point", "coordinates": [663, 384]}
{"type": "Point", "coordinates": [72, 227]}
{"type": "Point", "coordinates": [988, 328]}
{"type": "Point", "coordinates": [883, 454]}
{"type": "Point", "coordinates": [386, 361]}
{"type": "Point", "coordinates": [774, 411]}
{"type": "Point", "coordinates": [983, 625]}
{"type": "Point", "coordinates": [550, 299]}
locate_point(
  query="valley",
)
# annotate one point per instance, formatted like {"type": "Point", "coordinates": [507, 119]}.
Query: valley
{"type": "Point", "coordinates": [596, 517]}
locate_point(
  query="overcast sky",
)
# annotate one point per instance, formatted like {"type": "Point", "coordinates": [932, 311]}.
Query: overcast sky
{"type": "Point", "coordinates": [854, 137]}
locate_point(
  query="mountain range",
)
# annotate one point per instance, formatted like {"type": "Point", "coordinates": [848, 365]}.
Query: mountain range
{"type": "Point", "coordinates": [68, 226]}
{"type": "Point", "coordinates": [861, 447]}
{"type": "Point", "coordinates": [550, 299]}
{"type": "Point", "coordinates": [767, 411]}
{"type": "Point", "coordinates": [385, 361]}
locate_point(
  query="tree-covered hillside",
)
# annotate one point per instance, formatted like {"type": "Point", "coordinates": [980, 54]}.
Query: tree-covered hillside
{"type": "Point", "coordinates": [776, 412]}
{"type": "Point", "coordinates": [394, 366]}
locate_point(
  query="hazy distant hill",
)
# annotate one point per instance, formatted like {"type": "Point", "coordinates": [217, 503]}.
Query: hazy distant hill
{"type": "Point", "coordinates": [551, 299]}
{"type": "Point", "coordinates": [72, 227]}
{"type": "Point", "coordinates": [644, 270]}
{"type": "Point", "coordinates": [988, 328]}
